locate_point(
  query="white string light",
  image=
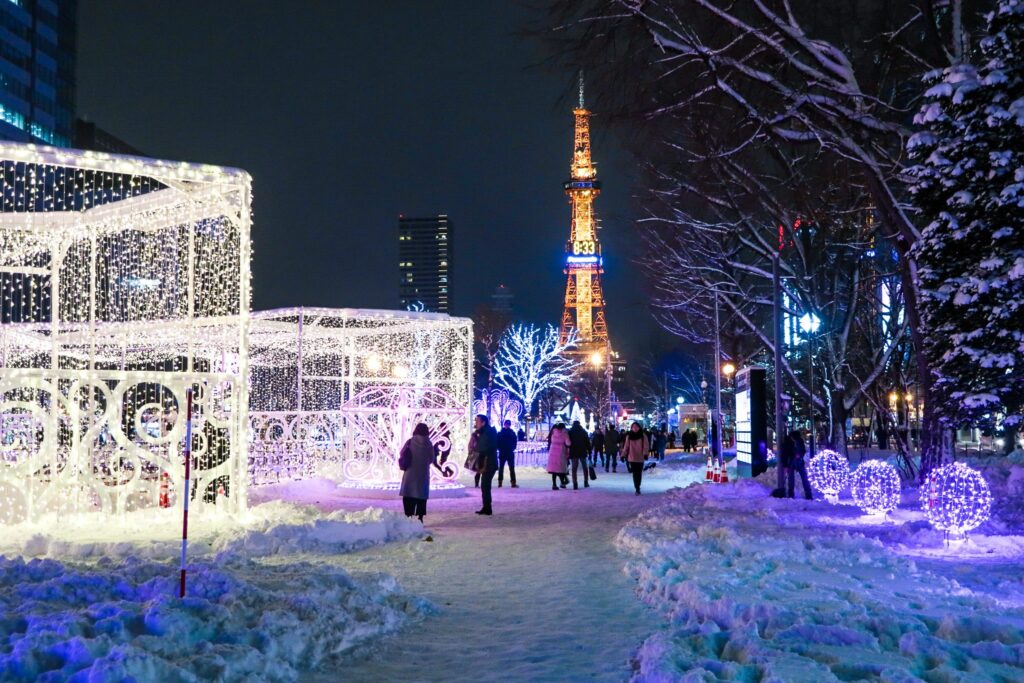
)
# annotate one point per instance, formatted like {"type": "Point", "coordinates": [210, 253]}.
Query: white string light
{"type": "Point", "coordinates": [956, 499]}
{"type": "Point", "coordinates": [829, 473]}
{"type": "Point", "coordinates": [336, 392]}
{"type": "Point", "coordinates": [124, 283]}
{"type": "Point", "coordinates": [875, 487]}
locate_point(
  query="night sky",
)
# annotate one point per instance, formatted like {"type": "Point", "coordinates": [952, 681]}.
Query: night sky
{"type": "Point", "coordinates": [349, 113]}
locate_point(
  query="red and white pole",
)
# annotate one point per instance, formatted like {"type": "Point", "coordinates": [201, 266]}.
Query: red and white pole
{"type": "Point", "coordinates": [186, 491]}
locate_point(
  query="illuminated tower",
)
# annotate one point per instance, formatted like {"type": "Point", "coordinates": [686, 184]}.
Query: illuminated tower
{"type": "Point", "coordinates": [584, 299]}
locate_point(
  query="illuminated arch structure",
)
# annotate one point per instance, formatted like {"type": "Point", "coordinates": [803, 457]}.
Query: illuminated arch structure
{"type": "Point", "coordinates": [124, 282]}
{"type": "Point", "coordinates": [336, 392]}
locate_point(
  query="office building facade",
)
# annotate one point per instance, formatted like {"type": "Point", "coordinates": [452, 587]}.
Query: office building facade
{"type": "Point", "coordinates": [37, 71]}
{"type": "Point", "coordinates": [424, 263]}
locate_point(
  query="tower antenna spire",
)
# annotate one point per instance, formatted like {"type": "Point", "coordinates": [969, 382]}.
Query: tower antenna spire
{"type": "Point", "coordinates": [581, 89]}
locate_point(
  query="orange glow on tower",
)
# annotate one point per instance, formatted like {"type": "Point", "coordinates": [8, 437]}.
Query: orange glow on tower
{"type": "Point", "coordinates": [584, 298]}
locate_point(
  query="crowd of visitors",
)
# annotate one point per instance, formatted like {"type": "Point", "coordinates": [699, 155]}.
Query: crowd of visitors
{"type": "Point", "coordinates": [569, 451]}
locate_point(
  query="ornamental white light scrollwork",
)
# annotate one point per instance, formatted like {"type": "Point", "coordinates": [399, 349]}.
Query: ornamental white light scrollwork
{"type": "Point", "coordinates": [124, 282]}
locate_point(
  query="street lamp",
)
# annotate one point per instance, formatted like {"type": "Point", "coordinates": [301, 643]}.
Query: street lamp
{"type": "Point", "coordinates": [728, 369]}
{"type": "Point", "coordinates": [809, 323]}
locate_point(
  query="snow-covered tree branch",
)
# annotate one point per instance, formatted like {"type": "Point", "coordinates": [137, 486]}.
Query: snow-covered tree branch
{"type": "Point", "coordinates": [532, 360]}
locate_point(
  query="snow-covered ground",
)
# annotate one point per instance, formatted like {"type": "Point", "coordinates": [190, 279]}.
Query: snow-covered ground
{"type": "Point", "coordinates": [757, 589]}
{"type": "Point", "coordinates": [264, 600]}
{"type": "Point", "coordinates": [733, 585]}
{"type": "Point", "coordinates": [534, 593]}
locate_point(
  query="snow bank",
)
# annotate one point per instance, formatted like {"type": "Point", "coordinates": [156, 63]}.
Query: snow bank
{"type": "Point", "coordinates": [121, 621]}
{"type": "Point", "coordinates": [267, 529]}
{"type": "Point", "coordinates": [756, 588]}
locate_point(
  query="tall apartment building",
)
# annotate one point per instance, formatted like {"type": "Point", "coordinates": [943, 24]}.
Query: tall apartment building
{"type": "Point", "coordinates": [424, 263]}
{"type": "Point", "coordinates": [37, 71]}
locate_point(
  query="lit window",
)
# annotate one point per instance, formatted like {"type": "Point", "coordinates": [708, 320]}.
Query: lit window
{"type": "Point", "coordinates": [12, 117]}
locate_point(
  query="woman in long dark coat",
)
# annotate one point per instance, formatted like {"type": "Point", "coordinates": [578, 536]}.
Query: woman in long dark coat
{"type": "Point", "coordinates": [416, 457]}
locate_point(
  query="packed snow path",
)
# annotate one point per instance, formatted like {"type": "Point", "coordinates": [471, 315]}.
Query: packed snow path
{"type": "Point", "coordinates": [536, 592]}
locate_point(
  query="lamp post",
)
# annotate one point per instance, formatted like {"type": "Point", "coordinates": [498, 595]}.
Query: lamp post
{"type": "Point", "coordinates": [728, 369]}
{"type": "Point", "coordinates": [716, 447]}
{"type": "Point", "coordinates": [810, 323]}
{"type": "Point", "coordinates": [704, 395]}
{"type": "Point", "coordinates": [778, 335]}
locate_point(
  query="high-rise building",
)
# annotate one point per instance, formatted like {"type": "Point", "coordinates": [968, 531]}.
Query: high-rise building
{"type": "Point", "coordinates": [424, 263]}
{"type": "Point", "coordinates": [502, 299]}
{"type": "Point", "coordinates": [584, 298]}
{"type": "Point", "coordinates": [90, 136]}
{"type": "Point", "coordinates": [37, 71]}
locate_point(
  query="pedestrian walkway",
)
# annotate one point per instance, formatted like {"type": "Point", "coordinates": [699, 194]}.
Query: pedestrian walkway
{"type": "Point", "coordinates": [534, 593]}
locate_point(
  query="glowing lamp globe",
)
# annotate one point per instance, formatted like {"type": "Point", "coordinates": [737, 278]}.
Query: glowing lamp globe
{"type": "Point", "coordinates": [875, 487]}
{"type": "Point", "coordinates": [829, 473]}
{"type": "Point", "coordinates": [956, 499]}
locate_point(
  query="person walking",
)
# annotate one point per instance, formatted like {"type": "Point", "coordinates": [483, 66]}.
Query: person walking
{"type": "Point", "coordinates": [661, 441]}
{"type": "Point", "coordinates": [579, 449]}
{"type": "Point", "coordinates": [792, 458]}
{"type": "Point", "coordinates": [558, 455]}
{"type": "Point", "coordinates": [507, 453]}
{"type": "Point", "coordinates": [611, 447]}
{"type": "Point", "coordinates": [597, 446]}
{"type": "Point", "coordinates": [487, 464]}
{"type": "Point", "coordinates": [415, 459]}
{"type": "Point", "coordinates": [634, 452]}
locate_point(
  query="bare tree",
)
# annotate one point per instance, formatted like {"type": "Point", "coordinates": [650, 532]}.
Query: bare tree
{"type": "Point", "coordinates": [775, 113]}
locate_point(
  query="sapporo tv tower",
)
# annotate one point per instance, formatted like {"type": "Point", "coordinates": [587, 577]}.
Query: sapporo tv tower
{"type": "Point", "coordinates": [584, 298]}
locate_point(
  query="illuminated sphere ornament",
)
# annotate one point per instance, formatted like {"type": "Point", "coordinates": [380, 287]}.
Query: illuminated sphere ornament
{"type": "Point", "coordinates": [829, 473]}
{"type": "Point", "coordinates": [956, 499]}
{"type": "Point", "coordinates": [875, 486]}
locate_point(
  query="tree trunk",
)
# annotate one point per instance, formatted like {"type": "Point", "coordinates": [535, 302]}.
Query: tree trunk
{"type": "Point", "coordinates": [837, 435]}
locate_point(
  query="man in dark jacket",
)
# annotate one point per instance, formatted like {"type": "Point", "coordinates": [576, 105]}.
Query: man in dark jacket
{"type": "Point", "coordinates": [611, 447]}
{"type": "Point", "coordinates": [487, 447]}
{"type": "Point", "coordinates": [597, 445]}
{"type": "Point", "coordinates": [579, 449]}
{"type": "Point", "coordinates": [792, 458]}
{"type": "Point", "coordinates": [507, 453]}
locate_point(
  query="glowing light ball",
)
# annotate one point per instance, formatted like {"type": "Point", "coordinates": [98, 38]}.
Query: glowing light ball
{"type": "Point", "coordinates": [829, 473]}
{"type": "Point", "coordinates": [956, 499]}
{"type": "Point", "coordinates": [875, 486]}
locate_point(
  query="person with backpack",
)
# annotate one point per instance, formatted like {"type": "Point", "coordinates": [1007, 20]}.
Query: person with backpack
{"type": "Point", "coordinates": [507, 453]}
{"type": "Point", "coordinates": [634, 453]}
{"type": "Point", "coordinates": [415, 459]}
{"type": "Point", "coordinates": [792, 459]}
